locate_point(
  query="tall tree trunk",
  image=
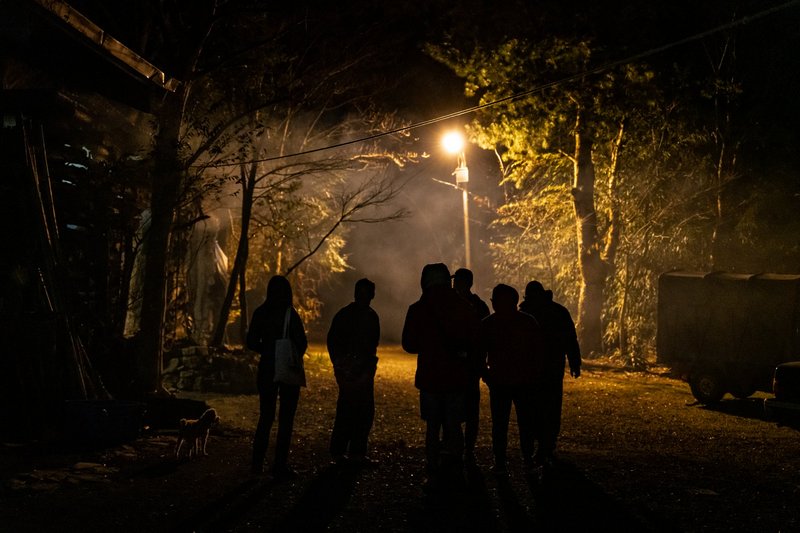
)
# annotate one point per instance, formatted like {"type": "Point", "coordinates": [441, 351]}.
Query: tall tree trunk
{"type": "Point", "coordinates": [725, 219]}
{"type": "Point", "coordinates": [244, 312]}
{"type": "Point", "coordinates": [240, 261]}
{"type": "Point", "coordinates": [722, 255]}
{"type": "Point", "coordinates": [592, 266]}
{"type": "Point", "coordinates": [167, 179]}
{"type": "Point", "coordinates": [612, 236]}
{"type": "Point", "coordinates": [614, 217]}
{"type": "Point", "coordinates": [622, 338]}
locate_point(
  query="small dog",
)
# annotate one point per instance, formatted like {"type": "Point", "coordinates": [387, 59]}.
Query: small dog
{"type": "Point", "coordinates": [194, 433]}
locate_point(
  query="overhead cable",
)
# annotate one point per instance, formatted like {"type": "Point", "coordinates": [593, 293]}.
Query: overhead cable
{"type": "Point", "coordinates": [602, 68]}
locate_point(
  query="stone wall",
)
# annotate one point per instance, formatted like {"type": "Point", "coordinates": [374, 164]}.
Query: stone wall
{"type": "Point", "coordinates": [204, 369]}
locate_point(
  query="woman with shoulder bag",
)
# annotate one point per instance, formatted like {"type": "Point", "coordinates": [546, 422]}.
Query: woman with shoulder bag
{"type": "Point", "coordinates": [272, 324]}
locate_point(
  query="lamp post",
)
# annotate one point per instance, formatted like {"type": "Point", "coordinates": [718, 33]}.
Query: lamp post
{"type": "Point", "coordinates": [454, 143]}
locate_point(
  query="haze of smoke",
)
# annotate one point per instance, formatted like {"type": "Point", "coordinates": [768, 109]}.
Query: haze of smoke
{"type": "Point", "coordinates": [393, 254]}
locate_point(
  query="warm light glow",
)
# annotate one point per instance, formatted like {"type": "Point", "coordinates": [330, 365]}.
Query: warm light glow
{"type": "Point", "coordinates": [453, 142]}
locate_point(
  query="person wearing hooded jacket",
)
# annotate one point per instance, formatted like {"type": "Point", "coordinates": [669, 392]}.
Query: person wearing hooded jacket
{"type": "Point", "coordinates": [266, 327]}
{"type": "Point", "coordinates": [561, 341]}
{"type": "Point", "coordinates": [440, 327]}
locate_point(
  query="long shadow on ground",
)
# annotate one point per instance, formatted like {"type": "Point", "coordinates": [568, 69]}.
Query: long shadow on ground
{"type": "Point", "coordinates": [462, 508]}
{"type": "Point", "coordinates": [227, 509]}
{"type": "Point", "coordinates": [561, 499]}
{"type": "Point", "coordinates": [322, 501]}
{"type": "Point", "coordinates": [566, 500]}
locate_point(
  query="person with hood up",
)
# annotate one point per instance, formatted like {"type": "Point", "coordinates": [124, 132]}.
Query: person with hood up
{"type": "Point", "coordinates": [440, 327]}
{"type": "Point", "coordinates": [561, 341]}
{"type": "Point", "coordinates": [266, 326]}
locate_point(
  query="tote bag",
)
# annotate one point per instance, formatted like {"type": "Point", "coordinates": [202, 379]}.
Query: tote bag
{"type": "Point", "coordinates": [288, 363]}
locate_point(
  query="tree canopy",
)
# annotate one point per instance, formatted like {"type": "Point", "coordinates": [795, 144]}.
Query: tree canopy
{"type": "Point", "coordinates": [651, 150]}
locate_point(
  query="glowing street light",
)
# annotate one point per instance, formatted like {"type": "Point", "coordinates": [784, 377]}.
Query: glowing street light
{"type": "Point", "coordinates": [453, 143]}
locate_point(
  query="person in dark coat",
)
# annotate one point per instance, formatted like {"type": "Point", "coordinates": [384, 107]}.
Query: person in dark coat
{"type": "Point", "coordinates": [439, 328]}
{"type": "Point", "coordinates": [353, 345]}
{"type": "Point", "coordinates": [266, 327]}
{"type": "Point", "coordinates": [514, 348]}
{"type": "Point", "coordinates": [462, 284]}
{"type": "Point", "coordinates": [561, 340]}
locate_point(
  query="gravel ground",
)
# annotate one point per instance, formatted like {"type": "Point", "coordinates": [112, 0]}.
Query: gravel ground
{"type": "Point", "coordinates": [636, 453]}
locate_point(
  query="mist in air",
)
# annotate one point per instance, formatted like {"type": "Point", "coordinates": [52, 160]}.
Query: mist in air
{"type": "Point", "coordinates": [392, 254]}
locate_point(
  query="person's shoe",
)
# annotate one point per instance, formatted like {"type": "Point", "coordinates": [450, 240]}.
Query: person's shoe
{"type": "Point", "coordinates": [469, 458]}
{"type": "Point", "coordinates": [500, 468]}
{"type": "Point", "coordinates": [547, 459]}
{"type": "Point", "coordinates": [530, 464]}
{"type": "Point", "coordinates": [362, 461]}
{"type": "Point", "coordinates": [284, 473]}
{"type": "Point", "coordinates": [432, 486]}
{"type": "Point", "coordinates": [456, 480]}
{"type": "Point", "coordinates": [432, 469]}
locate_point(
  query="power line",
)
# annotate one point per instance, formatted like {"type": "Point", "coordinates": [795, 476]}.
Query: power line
{"type": "Point", "coordinates": [606, 66]}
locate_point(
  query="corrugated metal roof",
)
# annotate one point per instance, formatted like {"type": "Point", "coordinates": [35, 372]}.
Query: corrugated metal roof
{"type": "Point", "coordinates": [106, 44]}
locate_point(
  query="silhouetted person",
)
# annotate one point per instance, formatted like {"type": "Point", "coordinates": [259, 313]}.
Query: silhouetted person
{"type": "Point", "coordinates": [462, 283]}
{"type": "Point", "coordinates": [352, 345]}
{"type": "Point", "coordinates": [514, 348]}
{"type": "Point", "coordinates": [560, 340]}
{"type": "Point", "coordinates": [440, 327]}
{"type": "Point", "coordinates": [265, 328]}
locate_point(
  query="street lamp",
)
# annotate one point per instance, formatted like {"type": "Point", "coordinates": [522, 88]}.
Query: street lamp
{"type": "Point", "coordinates": [453, 143]}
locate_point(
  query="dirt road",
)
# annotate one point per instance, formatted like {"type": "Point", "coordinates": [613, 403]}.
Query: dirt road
{"type": "Point", "coordinates": [635, 454]}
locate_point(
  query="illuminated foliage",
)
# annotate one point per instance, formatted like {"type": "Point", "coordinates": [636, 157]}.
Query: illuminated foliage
{"type": "Point", "coordinates": [254, 133]}
{"type": "Point", "coordinates": [559, 127]}
{"type": "Point", "coordinates": [535, 240]}
{"type": "Point", "coordinates": [659, 173]}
